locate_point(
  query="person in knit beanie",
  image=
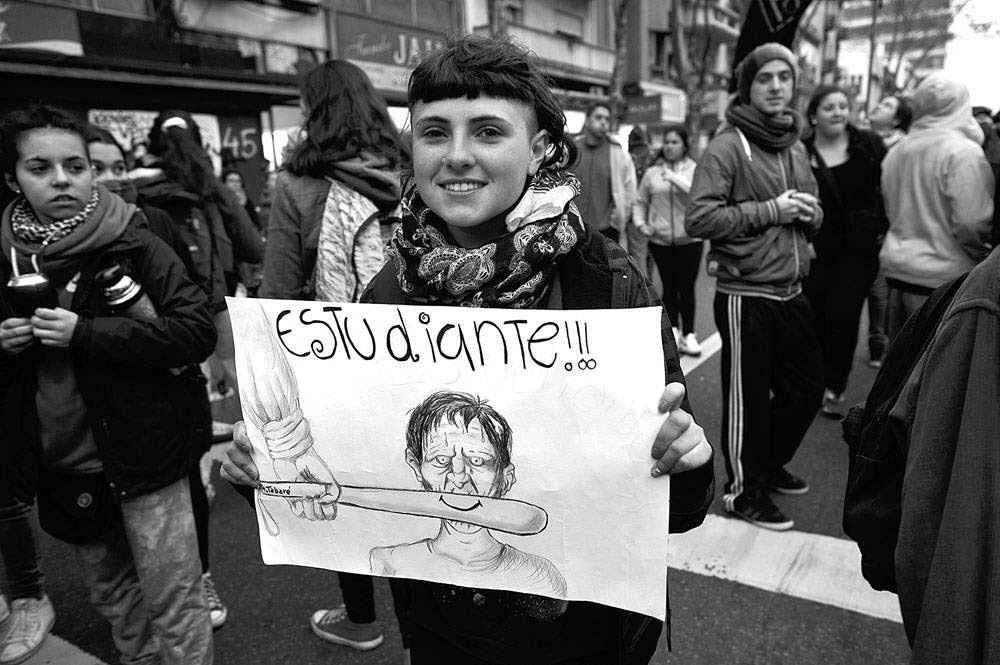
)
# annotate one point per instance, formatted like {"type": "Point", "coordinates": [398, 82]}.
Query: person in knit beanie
{"type": "Point", "coordinates": [757, 58]}
{"type": "Point", "coordinates": [755, 197]}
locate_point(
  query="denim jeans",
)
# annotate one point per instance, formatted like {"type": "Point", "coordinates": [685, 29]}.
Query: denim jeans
{"type": "Point", "coordinates": [144, 577]}
{"type": "Point", "coordinates": [18, 547]}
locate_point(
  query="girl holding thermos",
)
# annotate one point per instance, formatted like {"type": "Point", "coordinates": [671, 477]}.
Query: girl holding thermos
{"type": "Point", "coordinates": [95, 419]}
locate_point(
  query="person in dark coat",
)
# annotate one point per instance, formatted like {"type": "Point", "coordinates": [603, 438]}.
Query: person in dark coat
{"type": "Point", "coordinates": [92, 400]}
{"type": "Point", "coordinates": [847, 163]}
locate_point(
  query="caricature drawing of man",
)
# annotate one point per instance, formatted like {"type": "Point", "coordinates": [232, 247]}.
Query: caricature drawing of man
{"type": "Point", "coordinates": [457, 443]}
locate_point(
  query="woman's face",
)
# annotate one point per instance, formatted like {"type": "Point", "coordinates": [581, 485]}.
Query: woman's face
{"type": "Point", "coordinates": [108, 162]}
{"type": "Point", "coordinates": [673, 146]}
{"type": "Point", "coordinates": [471, 160]}
{"type": "Point", "coordinates": [832, 114]}
{"type": "Point", "coordinates": [234, 181]}
{"type": "Point", "coordinates": [53, 172]}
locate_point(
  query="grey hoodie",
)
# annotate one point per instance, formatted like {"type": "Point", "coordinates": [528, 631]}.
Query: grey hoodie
{"type": "Point", "coordinates": [938, 190]}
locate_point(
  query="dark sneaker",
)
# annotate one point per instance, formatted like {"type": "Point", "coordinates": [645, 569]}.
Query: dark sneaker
{"type": "Point", "coordinates": [783, 482]}
{"type": "Point", "coordinates": [758, 509]}
{"type": "Point", "coordinates": [334, 626]}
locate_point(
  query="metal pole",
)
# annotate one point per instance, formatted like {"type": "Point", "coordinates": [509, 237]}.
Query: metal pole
{"type": "Point", "coordinates": [871, 56]}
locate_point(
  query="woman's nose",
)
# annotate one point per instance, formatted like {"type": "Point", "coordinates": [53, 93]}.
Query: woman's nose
{"type": "Point", "coordinates": [458, 155]}
{"type": "Point", "coordinates": [59, 176]}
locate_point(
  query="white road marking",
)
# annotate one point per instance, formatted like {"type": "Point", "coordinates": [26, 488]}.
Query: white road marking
{"type": "Point", "coordinates": [709, 347]}
{"type": "Point", "coordinates": [57, 651]}
{"type": "Point", "coordinates": [804, 565]}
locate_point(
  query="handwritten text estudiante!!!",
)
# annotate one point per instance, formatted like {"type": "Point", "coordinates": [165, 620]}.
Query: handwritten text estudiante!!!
{"type": "Point", "coordinates": [329, 332]}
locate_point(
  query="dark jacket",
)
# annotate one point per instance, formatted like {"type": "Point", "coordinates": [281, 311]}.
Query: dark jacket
{"type": "Point", "coordinates": [218, 232]}
{"type": "Point", "coordinates": [731, 205]}
{"type": "Point", "coordinates": [596, 274]}
{"type": "Point", "coordinates": [293, 236]}
{"type": "Point", "coordinates": [948, 552]}
{"type": "Point", "coordinates": [143, 416]}
{"type": "Point", "coordinates": [852, 221]}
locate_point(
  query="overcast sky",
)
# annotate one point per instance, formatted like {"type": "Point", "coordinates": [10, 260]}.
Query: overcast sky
{"type": "Point", "coordinates": [973, 59]}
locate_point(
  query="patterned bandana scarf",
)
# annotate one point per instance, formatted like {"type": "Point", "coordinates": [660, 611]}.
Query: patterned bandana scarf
{"type": "Point", "coordinates": [513, 271]}
{"type": "Point", "coordinates": [29, 229]}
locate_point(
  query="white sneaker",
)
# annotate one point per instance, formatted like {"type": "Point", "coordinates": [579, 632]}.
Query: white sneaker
{"type": "Point", "coordinates": [217, 611]}
{"type": "Point", "coordinates": [689, 345]}
{"type": "Point", "coordinates": [31, 621]}
{"type": "Point", "coordinates": [677, 338]}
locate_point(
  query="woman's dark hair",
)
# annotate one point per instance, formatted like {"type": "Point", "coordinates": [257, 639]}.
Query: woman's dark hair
{"type": "Point", "coordinates": [97, 134]}
{"type": "Point", "coordinates": [682, 132]}
{"type": "Point", "coordinates": [474, 65]}
{"type": "Point", "coordinates": [821, 93]}
{"type": "Point", "coordinates": [344, 117]}
{"type": "Point", "coordinates": [904, 113]}
{"type": "Point", "coordinates": [16, 123]}
{"type": "Point", "coordinates": [180, 154]}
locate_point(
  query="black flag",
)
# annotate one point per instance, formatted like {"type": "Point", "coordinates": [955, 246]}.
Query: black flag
{"type": "Point", "coordinates": [767, 21]}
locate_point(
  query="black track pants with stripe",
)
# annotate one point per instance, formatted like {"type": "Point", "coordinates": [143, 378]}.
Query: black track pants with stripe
{"type": "Point", "coordinates": [772, 384]}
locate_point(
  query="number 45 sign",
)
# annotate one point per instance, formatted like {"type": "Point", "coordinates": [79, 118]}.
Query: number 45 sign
{"type": "Point", "coordinates": [241, 138]}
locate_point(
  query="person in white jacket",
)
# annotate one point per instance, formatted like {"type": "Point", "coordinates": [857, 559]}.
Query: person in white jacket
{"type": "Point", "coordinates": [938, 190]}
{"type": "Point", "coordinates": [659, 215]}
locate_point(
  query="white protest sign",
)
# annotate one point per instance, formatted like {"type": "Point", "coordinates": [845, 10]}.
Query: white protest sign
{"type": "Point", "coordinates": [487, 448]}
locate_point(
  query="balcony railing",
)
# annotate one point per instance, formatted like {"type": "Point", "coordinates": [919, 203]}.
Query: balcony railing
{"type": "Point", "coordinates": [557, 48]}
{"type": "Point", "coordinates": [722, 21]}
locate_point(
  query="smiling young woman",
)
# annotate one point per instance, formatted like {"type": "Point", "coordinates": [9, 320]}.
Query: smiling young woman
{"type": "Point", "coordinates": [489, 221]}
{"type": "Point", "coordinates": [847, 164]}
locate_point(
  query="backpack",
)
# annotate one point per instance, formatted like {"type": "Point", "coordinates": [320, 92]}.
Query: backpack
{"type": "Point", "coordinates": [877, 435]}
{"type": "Point", "coordinates": [351, 246]}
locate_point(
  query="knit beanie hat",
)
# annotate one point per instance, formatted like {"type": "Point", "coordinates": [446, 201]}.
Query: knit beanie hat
{"type": "Point", "coordinates": [757, 58]}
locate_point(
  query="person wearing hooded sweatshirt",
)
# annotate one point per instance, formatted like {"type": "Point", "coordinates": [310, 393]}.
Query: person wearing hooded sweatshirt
{"type": "Point", "coordinates": [92, 410]}
{"type": "Point", "coordinates": [324, 242]}
{"type": "Point", "coordinates": [938, 190]}
{"type": "Point", "coordinates": [754, 196]}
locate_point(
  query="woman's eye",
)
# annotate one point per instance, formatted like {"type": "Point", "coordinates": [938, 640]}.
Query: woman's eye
{"type": "Point", "coordinates": [433, 133]}
{"type": "Point", "coordinates": [77, 168]}
{"type": "Point", "coordinates": [118, 169]}
{"type": "Point", "coordinates": [490, 133]}
{"type": "Point", "coordinates": [476, 461]}
{"type": "Point", "coordinates": [442, 460]}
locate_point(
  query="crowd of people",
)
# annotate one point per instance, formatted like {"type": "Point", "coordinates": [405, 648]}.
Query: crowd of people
{"type": "Point", "coordinates": [116, 276]}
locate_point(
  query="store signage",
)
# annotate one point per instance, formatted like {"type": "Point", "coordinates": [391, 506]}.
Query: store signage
{"type": "Point", "coordinates": [387, 52]}
{"type": "Point", "coordinates": [643, 109]}
{"type": "Point", "coordinates": [39, 28]}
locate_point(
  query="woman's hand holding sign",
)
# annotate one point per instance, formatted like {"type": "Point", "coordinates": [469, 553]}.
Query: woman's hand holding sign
{"type": "Point", "coordinates": [680, 445]}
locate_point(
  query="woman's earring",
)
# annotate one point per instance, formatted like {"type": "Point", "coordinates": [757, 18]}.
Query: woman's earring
{"type": "Point", "coordinates": [17, 190]}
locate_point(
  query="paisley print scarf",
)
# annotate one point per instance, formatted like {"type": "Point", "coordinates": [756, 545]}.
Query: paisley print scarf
{"type": "Point", "coordinates": [514, 270]}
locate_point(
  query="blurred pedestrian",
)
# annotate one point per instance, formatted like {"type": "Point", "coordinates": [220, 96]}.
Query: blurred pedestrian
{"type": "Point", "coordinates": [890, 120]}
{"type": "Point", "coordinates": [484, 115]}
{"type": "Point", "coordinates": [754, 197]}
{"type": "Point", "coordinates": [659, 215]}
{"type": "Point", "coordinates": [938, 190]}
{"type": "Point", "coordinates": [108, 160]}
{"type": "Point", "coordinates": [636, 241]}
{"type": "Point", "coordinates": [248, 274]}
{"type": "Point", "coordinates": [847, 163]}
{"type": "Point", "coordinates": [93, 416]}
{"type": "Point", "coordinates": [325, 241]}
{"type": "Point", "coordinates": [216, 228]}
{"type": "Point", "coordinates": [607, 176]}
